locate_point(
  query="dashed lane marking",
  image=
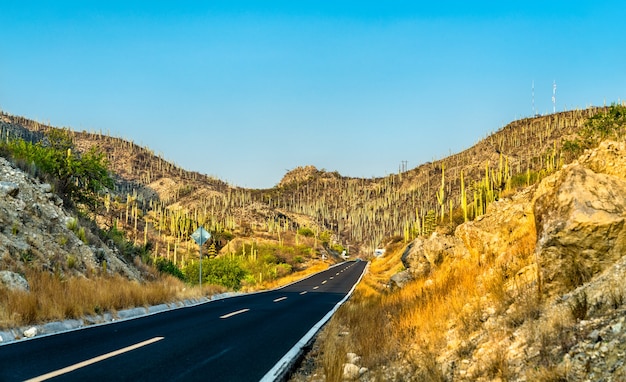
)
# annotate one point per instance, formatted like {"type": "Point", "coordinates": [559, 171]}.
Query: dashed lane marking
{"type": "Point", "coordinates": [234, 313]}
{"type": "Point", "coordinates": [280, 299]}
{"type": "Point", "coordinates": [93, 360]}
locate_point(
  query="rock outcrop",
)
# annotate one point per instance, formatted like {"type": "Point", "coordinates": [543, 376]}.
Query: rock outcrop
{"type": "Point", "coordinates": [13, 281]}
{"type": "Point", "coordinates": [568, 237]}
{"type": "Point", "coordinates": [37, 231]}
{"type": "Point", "coordinates": [580, 225]}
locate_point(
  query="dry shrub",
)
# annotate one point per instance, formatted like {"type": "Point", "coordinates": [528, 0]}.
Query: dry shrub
{"type": "Point", "coordinates": [579, 306]}
{"type": "Point", "coordinates": [527, 306]}
{"type": "Point", "coordinates": [371, 338]}
{"type": "Point", "coordinates": [548, 374]}
{"type": "Point", "coordinates": [333, 353]}
{"type": "Point", "coordinates": [427, 369]}
{"type": "Point", "coordinates": [456, 295]}
{"type": "Point", "coordinates": [498, 366]}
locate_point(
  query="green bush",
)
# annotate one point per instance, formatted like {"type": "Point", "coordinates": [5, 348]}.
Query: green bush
{"type": "Point", "coordinates": [78, 179]}
{"type": "Point", "coordinates": [282, 270]}
{"type": "Point", "coordinates": [306, 232]}
{"type": "Point", "coordinates": [226, 271]}
{"type": "Point", "coordinates": [325, 237]}
{"type": "Point", "coordinates": [610, 124]}
{"type": "Point", "coordinates": [164, 265]}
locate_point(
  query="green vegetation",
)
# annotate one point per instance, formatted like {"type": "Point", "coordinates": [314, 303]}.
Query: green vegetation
{"type": "Point", "coordinates": [78, 179]}
{"type": "Point", "coordinates": [166, 266]}
{"type": "Point", "coordinates": [226, 271]}
{"type": "Point", "coordinates": [609, 124]}
{"type": "Point", "coordinates": [306, 232]}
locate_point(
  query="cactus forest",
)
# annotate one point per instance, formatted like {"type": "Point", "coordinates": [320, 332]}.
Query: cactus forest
{"type": "Point", "coordinates": [152, 206]}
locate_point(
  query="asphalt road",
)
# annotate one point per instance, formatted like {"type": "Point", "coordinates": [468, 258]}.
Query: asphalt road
{"type": "Point", "coordinates": [234, 339]}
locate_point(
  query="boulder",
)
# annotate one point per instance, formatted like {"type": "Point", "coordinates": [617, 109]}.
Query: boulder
{"type": "Point", "coordinates": [353, 358]}
{"type": "Point", "coordinates": [414, 259]}
{"type": "Point", "coordinates": [9, 188]}
{"type": "Point", "coordinates": [580, 216]}
{"type": "Point", "coordinates": [31, 332]}
{"type": "Point", "coordinates": [351, 371]}
{"type": "Point", "coordinates": [500, 232]}
{"type": "Point", "coordinates": [14, 281]}
{"type": "Point", "coordinates": [400, 279]}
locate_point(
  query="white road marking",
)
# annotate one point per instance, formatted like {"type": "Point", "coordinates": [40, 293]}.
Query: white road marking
{"type": "Point", "coordinates": [315, 287]}
{"type": "Point", "coordinates": [88, 362]}
{"type": "Point", "coordinates": [337, 274]}
{"type": "Point", "coordinates": [331, 277]}
{"type": "Point", "coordinates": [324, 282]}
{"type": "Point", "coordinates": [280, 299]}
{"type": "Point", "coordinates": [301, 293]}
{"type": "Point", "coordinates": [234, 313]}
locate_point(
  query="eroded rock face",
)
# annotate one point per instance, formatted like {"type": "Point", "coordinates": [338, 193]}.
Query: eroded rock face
{"type": "Point", "coordinates": [573, 221]}
{"type": "Point", "coordinates": [498, 233]}
{"type": "Point", "coordinates": [34, 230]}
{"type": "Point", "coordinates": [580, 216]}
{"type": "Point", "coordinates": [501, 233]}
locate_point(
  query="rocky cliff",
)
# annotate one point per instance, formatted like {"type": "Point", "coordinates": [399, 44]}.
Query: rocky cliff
{"type": "Point", "coordinates": [559, 248]}
{"type": "Point", "coordinates": [36, 231]}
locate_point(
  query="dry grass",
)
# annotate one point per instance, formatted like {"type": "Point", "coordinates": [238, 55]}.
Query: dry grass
{"type": "Point", "coordinates": [52, 297]}
{"type": "Point", "coordinates": [412, 323]}
{"type": "Point", "coordinates": [317, 266]}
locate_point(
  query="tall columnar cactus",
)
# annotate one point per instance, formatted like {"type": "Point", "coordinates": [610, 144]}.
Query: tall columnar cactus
{"type": "Point", "coordinates": [441, 195]}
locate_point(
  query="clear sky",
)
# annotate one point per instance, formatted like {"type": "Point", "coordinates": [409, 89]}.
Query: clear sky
{"type": "Point", "coordinates": [246, 90]}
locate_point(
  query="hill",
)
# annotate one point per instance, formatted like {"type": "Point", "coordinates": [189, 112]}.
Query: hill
{"type": "Point", "coordinates": [361, 214]}
{"type": "Point", "coordinates": [472, 243]}
{"type": "Point", "coordinates": [532, 290]}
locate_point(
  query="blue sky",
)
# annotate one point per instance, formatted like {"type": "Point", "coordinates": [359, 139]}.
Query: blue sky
{"type": "Point", "coordinates": [246, 90]}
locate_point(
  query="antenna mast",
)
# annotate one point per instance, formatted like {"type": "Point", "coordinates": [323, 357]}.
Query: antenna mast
{"type": "Point", "coordinates": [554, 97]}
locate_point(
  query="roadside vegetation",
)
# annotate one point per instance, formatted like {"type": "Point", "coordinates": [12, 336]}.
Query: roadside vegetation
{"type": "Point", "coordinates": [54, 297]}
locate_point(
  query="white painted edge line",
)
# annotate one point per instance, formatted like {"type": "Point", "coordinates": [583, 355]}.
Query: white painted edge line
{"type": "Point", "coordinates": [280, 299]}
{"type": "Point", "coordinates": [229, 315]}
{"type": "Point", "coordinates": [91, 361]}
{"type": "Point", "coordinates": [283, 365]}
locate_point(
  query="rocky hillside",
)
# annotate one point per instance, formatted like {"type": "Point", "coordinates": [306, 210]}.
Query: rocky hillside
{"type": "Point", "coordinates": [542, 296]}
{"type": "Point", "coordinates": [360, 213]}
{"type": "Point", "coordinates": [577, 268]}
{"type": "Point", "coordinates": [37, 232]}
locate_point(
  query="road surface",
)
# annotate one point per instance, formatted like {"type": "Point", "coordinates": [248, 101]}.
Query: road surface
{"type": "Point", "coordinates": [234, 339]}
